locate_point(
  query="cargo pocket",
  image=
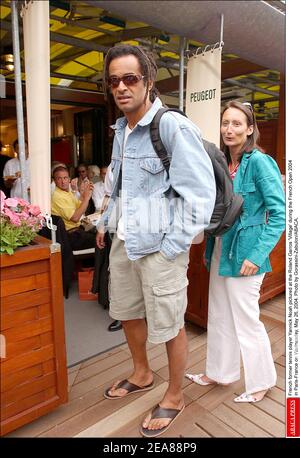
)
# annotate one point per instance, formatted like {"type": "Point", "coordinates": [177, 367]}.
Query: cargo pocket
{"type": "Point", "coordinates": [170, 301]}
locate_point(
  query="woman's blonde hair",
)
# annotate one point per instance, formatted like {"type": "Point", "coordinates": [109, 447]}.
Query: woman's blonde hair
{"type": "Point", "coordinates": [94, 169]}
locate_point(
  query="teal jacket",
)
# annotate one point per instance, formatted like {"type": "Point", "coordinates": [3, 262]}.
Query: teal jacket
{"type": "Point", "coordinates": [258, 229]}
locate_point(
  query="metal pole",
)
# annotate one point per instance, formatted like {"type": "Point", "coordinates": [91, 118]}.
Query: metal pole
{"type": "Point", "coordinates": [181, 73]}
{"type": "Point", "coordinates": [19, 99]}
{"type": "Point", "coordinates": [55, 246]}
{"type": "Point", "coordinates": [252, 87]}
{"type": "Point", "coordinates": [222, 30]}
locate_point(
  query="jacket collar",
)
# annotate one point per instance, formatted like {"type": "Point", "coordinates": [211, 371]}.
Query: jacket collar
{"type": "Point", "coordinates": [242, 170]}
{"type": "Point", "coordinates": [121, 123]}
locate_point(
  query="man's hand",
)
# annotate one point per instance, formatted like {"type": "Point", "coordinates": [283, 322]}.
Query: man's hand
{"type": "Point", "coordinates": [100, 239]}
{"type": "Point", "coordinates": [84, 203]}
{"type": "Point", "coordinates": [87, 190]}
{"type": "Point", "coordinates": [248, 268]}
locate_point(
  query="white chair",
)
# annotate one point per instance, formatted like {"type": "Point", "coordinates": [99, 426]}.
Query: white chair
{"type": "Point", "coordinates": [83, 252]}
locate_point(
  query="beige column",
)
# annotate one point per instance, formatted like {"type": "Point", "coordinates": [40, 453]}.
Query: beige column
{"type": "Point", "coordinates": [37, 68]}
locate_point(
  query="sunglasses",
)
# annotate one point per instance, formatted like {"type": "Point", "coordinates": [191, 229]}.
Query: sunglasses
{"type": "Point", "coordinates": [248, 104]}
{"type": "Point", "coordinates": [128, 80]}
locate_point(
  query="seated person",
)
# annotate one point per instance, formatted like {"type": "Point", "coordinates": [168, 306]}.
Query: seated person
{"type": "Point", "coordinates": [102, 188]}
{"type": "Point", "coordinates": [94, 173]}
{"type": "Point", "coordinates": [3, 160]}
{"type": "Point", "coordinates": [78, 183]}
{"type": "Point", "coordinates": [103, 172]}
{"type": "Point", "coordinates": [65, 204]}
{"type": "Point", "coordinates": [54, 166]}
{"type": "Point", "coordinates": [12, 174]}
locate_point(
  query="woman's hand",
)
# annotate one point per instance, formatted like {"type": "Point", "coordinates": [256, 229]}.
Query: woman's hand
{"type": "Point", "coordinates": [248, 268]}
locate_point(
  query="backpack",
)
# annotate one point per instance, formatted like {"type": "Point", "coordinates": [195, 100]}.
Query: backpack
{"type": "Point", "coordinates": [228, 206]}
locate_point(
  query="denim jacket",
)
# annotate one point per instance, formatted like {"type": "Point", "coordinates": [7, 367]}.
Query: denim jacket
{"type": "Point", "coordinates": [262, 221]}
{"type": "Point", "coordinates": [161, 212]}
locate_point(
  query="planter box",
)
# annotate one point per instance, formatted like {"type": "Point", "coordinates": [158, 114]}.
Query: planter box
{"type": "Point", "coordinates": [33, 368]}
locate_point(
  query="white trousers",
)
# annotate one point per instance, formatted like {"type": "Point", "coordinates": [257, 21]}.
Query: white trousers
{"type": "Point", "coordinates": [234, 327]}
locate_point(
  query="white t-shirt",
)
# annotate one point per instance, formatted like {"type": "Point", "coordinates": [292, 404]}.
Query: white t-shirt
{"type": "Point", "coordinates": [11, 168]}
{"type": "Point", "coordinates": [108, 187]}
{"type": "Point", "coordinates": [98, 194]}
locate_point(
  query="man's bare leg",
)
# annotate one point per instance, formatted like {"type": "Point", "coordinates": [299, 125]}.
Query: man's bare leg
{"type": "Point", "coordinates": [136, 335]}
{"type": "Point", "coordinates": [177, 350]}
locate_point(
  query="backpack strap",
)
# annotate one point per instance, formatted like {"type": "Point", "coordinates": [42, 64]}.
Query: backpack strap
{"type": "Point", "coordinates": [156, 138]}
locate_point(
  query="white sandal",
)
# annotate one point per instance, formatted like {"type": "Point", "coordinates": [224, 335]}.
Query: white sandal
{"type": "Point", "coordinates": [244, 397]}
{"type": "Point", "coordinates": [197, 378]}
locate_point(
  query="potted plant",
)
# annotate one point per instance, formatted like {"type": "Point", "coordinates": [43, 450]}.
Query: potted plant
{"type": "Point", "coordinates": [33, 355]}
{"type": "Point", "coordinates": [19, 223]}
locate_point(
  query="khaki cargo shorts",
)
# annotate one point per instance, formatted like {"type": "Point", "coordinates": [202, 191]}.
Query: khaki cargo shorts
{"type": "Point", "coordinates": [151, 287]}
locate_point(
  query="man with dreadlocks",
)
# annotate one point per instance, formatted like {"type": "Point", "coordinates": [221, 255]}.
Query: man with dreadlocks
{"type": "Point", "coordinates": [158, 216]}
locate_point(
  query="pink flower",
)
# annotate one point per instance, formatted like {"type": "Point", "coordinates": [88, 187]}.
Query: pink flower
{"type": "Point", "coordinates": [23, 202]}
{"type": "Point", "coordinates": [19, 222]}
{"type": "Point", "coordinates": [11, 202]}
{"type": "Point", "coordinates": [34, 210]}
{"type": "Point", "coordinates": [14, 219]}
{"type": "Point", "coordinates": [24, 215]}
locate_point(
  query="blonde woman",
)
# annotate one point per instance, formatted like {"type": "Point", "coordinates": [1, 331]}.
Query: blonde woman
{"type": "Point", "coordinates": [93, 173]}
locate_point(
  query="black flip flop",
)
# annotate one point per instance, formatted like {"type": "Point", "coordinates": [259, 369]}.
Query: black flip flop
{"type": "Point", "coordinates": [161, 412]}
{"type": "Point", "coordinates": [130, 387]}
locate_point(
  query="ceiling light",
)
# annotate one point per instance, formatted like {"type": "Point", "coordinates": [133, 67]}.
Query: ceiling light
{"type": "Point", "coordinates": [65, 82]}
{"type": "Point", "coordinates": [7, 61]}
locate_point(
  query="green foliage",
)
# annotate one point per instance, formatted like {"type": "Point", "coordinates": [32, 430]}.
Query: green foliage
{"type": "Point", "coordinates": [19, 223]}
{"type": "Point", "coordinates": [12, 237]}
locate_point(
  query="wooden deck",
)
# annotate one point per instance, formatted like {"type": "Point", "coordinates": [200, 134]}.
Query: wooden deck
{"type": "Point", "coordinates": [210, 411]}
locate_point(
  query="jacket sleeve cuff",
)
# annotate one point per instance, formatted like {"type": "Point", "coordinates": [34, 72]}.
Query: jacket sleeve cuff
{"type": "Point", "coordinates": [100, 225]}
{"type": "Point", "coordinates": [257, 259]}
{"type": "Point", "coordinates": [167, 250]}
